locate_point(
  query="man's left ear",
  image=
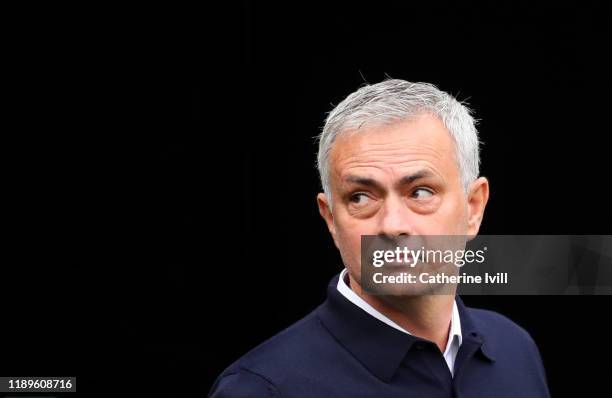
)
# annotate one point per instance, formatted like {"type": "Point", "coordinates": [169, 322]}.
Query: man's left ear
{"type": "Point", "coordinates": [478, 196]}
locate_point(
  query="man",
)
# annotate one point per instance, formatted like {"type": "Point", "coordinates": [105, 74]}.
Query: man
{"type": "Point", "coordinates": [396, 159]}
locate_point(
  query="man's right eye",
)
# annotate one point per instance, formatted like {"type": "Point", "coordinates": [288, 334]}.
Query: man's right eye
{"type": "Point", "coordinates": [359, 199]}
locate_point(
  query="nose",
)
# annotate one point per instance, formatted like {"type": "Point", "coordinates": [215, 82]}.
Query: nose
{"type": "Point", "coordinates": [395, 218]}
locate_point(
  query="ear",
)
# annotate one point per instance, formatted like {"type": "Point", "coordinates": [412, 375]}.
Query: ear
{"type": "Point", "coordinates": [326, 213]}
{"type": "Point", "coordinates": [478, 196]}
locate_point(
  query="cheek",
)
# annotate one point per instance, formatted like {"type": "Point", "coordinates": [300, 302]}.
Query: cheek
{"type": "Point", "coordinates": [453, 217]}
{"type": "Point", "coordinates": [350, 227]}
{"type": "Point", "coordinates": [349, 240]}
{"type": "Point", "coordinates": [349, 235]}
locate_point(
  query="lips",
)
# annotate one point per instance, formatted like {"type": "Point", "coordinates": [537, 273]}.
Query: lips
{"type": "Point", "coordinates": [396, 265]}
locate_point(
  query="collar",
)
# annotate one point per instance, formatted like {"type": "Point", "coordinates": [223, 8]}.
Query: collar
{"type": "Point", "coordinates": [380, 348]}
{"type": "Point", "coordinates": [345, 290]}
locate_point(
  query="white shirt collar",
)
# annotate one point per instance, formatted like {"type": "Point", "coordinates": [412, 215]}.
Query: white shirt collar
{"type": "Point", "coordinates": [454, 337]}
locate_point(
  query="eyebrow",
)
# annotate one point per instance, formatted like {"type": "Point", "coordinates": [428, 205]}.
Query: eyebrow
{"type": "Point", "coordinates": [405, 180]}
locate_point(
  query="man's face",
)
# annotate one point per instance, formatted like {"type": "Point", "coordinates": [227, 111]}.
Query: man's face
{"type": "Point", "coordinates": [398, 179]}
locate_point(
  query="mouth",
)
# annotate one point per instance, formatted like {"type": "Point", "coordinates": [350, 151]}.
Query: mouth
{"type": "Point", "coordinates": [396, 265]}
{"type": "Point", "coordinates": [408, 262]}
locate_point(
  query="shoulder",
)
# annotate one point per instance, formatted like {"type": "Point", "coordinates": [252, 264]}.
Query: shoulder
{"type": "Point", "coordinates": [297, 349]}
{"type": "Point", "coordinates": [492, 323]}
{"type": "Point", "coordinates": [239, 383]}
{"type": "Point", "coordinates": [503, 336]}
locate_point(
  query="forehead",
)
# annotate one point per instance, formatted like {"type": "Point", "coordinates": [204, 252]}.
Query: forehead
{"type": "Point", "coordinates": [421, 141]}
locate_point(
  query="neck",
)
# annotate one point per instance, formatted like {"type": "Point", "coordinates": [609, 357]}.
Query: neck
{"type": "Point", "coordinates": [426, 316]}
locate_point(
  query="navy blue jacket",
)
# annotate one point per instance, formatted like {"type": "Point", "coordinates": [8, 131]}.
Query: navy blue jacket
{"type": "Point", "coordinates": [339, 350]}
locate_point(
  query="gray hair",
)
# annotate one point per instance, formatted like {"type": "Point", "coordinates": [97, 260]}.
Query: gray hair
{"type": "Point", "coordinates": [393, 101]}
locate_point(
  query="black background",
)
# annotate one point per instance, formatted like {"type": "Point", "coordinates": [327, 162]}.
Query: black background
{"type": "Point", "coordinates": [162, 173]}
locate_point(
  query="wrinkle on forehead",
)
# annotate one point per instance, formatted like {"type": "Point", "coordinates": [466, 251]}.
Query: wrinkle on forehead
{"type": "Point", "coordinates": [397, 148]}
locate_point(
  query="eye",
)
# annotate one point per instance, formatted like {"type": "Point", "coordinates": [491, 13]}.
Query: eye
{"type": "Point", "coordinates": [422, 193]}
{"type": "Point", "coordinates": [359, 199]}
